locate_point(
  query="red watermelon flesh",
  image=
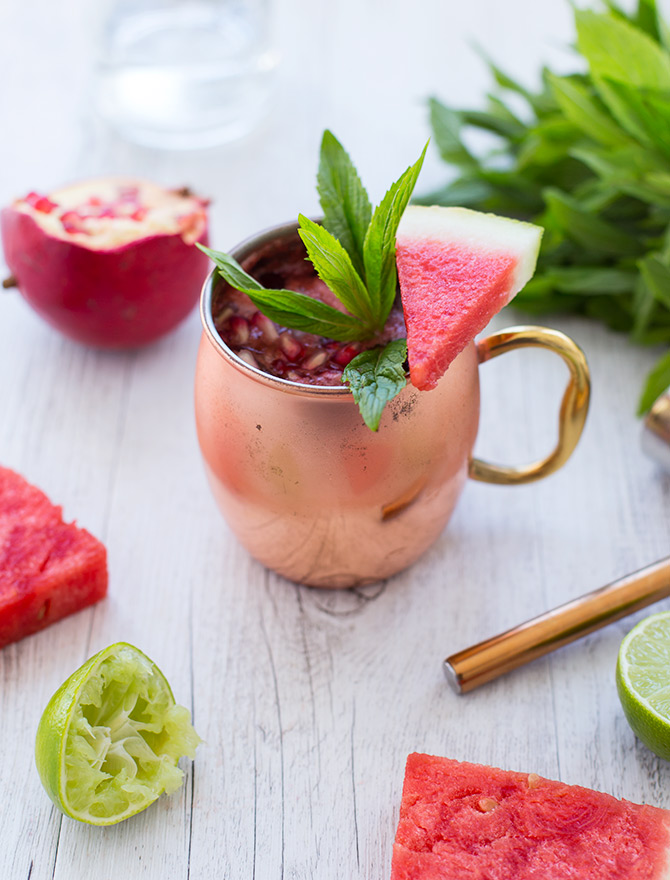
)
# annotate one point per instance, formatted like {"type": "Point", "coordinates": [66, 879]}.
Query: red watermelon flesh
{"type": "Point", "coordinates": [462, 821]}
{"type": "Point", "coordinates": [457, 268]}
{"type": "Point", "coordinates": [48, 568]}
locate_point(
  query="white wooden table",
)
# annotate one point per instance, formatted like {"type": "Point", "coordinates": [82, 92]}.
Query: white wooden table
{"type": "Point", "coordinates": [308, 701]}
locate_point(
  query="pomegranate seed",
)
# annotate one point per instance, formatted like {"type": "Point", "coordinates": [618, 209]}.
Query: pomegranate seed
{"type": "Point", "coordinates": [40, 203]}
{"type": "Point", "coordinates": [95, 201]}
{"type": "Point", "coordinates": [248, 358]}
{"type": "Point", "coordinates": [72, 222]}
{"type": "Point", "coordinates": [278, 366]}
{"type": "Point", "coordinates": [315, 360]}
{"type": "Point", "coordinates": [265, 325]}
{"type": "Point", "coordinates": [290, 346]}
{"type": "Point", "coordinates": [238, 333]}
{"type": "Point", "coordinates": [139, 214]}
{"type": "Point", "coordinates": [346, 355]}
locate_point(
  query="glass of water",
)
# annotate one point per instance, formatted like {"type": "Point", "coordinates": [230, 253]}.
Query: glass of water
{"type": "Point", "coordinates": [184, 74]}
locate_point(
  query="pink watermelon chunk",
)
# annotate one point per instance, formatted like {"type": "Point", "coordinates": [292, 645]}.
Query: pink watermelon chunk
{"type": "Point", "coordinates": [48, 568]}
{"type": "Point", "coordinates": [463, 821]}
{"type": "Point", "coordinates": [457, 268]}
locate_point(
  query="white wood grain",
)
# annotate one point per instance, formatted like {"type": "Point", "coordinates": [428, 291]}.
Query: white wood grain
{"type": "Point", "coordinates": [308, 701]}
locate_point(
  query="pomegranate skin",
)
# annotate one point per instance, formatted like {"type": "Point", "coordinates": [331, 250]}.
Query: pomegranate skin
{"type": "Point", "coordinates": [118, 298]}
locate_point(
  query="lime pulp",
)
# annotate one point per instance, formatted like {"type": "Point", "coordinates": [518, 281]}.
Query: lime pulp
{"type": "Point", "coordinates": [110, 738]}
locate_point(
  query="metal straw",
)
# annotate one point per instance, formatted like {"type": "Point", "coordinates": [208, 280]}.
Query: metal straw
{"type": "Point", "coordinates": [492, 658]}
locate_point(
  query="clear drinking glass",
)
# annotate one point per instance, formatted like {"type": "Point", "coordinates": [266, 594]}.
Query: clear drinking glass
{"type": "Point", "coordinates": [182, 74]}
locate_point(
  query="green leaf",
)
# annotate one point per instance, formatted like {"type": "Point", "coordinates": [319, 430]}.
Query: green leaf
{"type": "Point", "coordinates": [657, 278]}
{"type": "Point", "coordinates": [663, 32]}
{"type": "Point", "coordinates": [463, 192]}
{"type": "Point", "coordinates": [657, 382]}
{"type": "Point", "coordinates": [643, 113]}
{"type": "Point", "coordinates": [588, 280]}
{"type": "Point", "coordinates": [504, 125]}
{"type": "Point", "coordinates": [584, 111]}
{"type": "Point", "coordinates": [335, 268]}
{"type": "Point", "coordinates": [287, 307]}
{"type": "Point", "coordinates": [375, 377]}
{"type": "Point", "coordinates": [446, 125]}
{"type": "Point", "coordinates": [231, 270]}
{"type": "Point", "coordinates": [644, 304]}
{"type": "Point", "coordinates": [587, 229]}
{"type": "Point", "coordinates": [610, 311]}
{"type": "Point", "coordinates": [647, 18]}
{"type": "Point", "coordinates": [301, 312]}
{"type": "Point", "coordinates": [344, 201]}
{"type": "Point", "coordinates": [617, 50]}
{"type": "Point", "coordinates": [379, 247]}
{"type": "Point", "coordinates": [540, 103]}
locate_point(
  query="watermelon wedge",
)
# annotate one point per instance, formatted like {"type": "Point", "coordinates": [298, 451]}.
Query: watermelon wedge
{"type": "Point", "coordinates": [457, 268]}
{"type": "Point", "coordinates": [48, 568]}
{"type": "Point", "coordinates": [463, 821]}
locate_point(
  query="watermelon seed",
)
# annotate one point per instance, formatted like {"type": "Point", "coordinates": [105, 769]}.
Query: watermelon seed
{"type": "Point", "coordinates": [486, 805]}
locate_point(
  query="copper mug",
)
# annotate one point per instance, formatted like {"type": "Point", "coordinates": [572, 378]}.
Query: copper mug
{"type": "Point", "coordinates": [315, 495]}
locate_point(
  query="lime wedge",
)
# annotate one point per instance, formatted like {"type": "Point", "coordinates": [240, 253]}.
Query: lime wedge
{"type": "Point", "coordinates": [643, 681]}
{"type": "Point", "coordinates": [110, 738]}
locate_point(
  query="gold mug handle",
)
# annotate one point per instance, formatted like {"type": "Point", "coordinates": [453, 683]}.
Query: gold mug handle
{"type": "Point", "coordinates": [574, 406]}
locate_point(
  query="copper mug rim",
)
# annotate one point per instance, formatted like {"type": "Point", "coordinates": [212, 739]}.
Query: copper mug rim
{"type": "Point", "coordinates": [239, 252]}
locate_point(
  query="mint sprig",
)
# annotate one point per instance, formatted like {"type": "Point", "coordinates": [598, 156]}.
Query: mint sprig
{"type": "Point", "coordinates": [353, 252]}
{"type": "Point", "coordinates": [375, 377]}
{"type": "Point", "coordinates": [588, 159]}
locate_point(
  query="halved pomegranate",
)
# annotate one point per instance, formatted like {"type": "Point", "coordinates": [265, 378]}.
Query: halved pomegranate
{"type": "Point", "coordinates": [109, 262]}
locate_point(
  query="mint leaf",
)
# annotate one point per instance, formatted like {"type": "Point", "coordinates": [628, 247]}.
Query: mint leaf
{"type": "Point", "coordinates": [657, 382]}
{"type": "Point", "coordinates": [302, 312]}
{"type": "Point", "coordinates": [656, 276]}
{"type": "Point", "coordinates": [287, 307]}
{"type": "Point", "coordinates": [618, 50]}
{"type": "Point", "coordinates": [335, 268]}
{"type": "Point", "coordinates": [584, 111]}
{"type": "Point", "coordinates": [344, 201]}
{"type": "Point", "coordinates": [446, 125]}
{"type": "Point", "coordinates": [589, 230]}
{"type": "Point", "coordinates": [375, 377]}
{"type": "Point", "coordinates": [379, 247]}
{"type": "Point", "coordinates": [231, 270]}
{"type": "Point", "coordinates": [588, 280]}
{"type": "Point", "coordinates": [644, 113]}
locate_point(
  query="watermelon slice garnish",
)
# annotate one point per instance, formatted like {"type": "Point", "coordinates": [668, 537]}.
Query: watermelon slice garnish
{"type": "Point", "coordinates": [457, 268]}
{"type": "Point", "coordinates": [48, 568]}
{"type": "Point", "coordinates": [461, 821]}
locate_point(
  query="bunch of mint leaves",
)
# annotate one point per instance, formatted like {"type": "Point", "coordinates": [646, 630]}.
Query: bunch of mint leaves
{"type": "Point", "coordinates": [588, 158]}
{"type": "Point", "coordinates": [353, 252]}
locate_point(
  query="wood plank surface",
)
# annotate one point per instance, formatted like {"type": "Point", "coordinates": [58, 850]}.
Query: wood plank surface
{"type": "Point", "coordinates": [308, 701]}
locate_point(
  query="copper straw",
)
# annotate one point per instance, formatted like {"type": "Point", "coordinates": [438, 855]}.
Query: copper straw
{"type": "Point", "coordinates": [480, 663]}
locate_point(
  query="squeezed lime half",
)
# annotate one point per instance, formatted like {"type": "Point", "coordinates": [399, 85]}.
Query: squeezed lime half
{"type": "Point", "coordinates": [110, 738]}
{"type": "Point", "coordinates": [643, 681]}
